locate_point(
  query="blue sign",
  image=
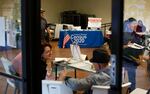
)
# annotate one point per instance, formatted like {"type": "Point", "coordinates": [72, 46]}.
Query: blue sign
{"type": "Point", "coordinates": [85, 39]}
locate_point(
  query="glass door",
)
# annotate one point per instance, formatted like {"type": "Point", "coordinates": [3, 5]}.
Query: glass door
{"type": "Point", "coordinates": [20, 46]}
{"type": "Point", "coordinates": [10, 46]}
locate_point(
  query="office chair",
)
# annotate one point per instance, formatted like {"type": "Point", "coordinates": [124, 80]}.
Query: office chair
{"type": "Point", "coordinates": [104, 89]}
{"type": "Point", "coordinates": [10, 82]}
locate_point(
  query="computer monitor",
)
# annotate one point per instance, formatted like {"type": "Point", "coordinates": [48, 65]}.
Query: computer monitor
{"type": "Point", "coordinates": [55, 87]}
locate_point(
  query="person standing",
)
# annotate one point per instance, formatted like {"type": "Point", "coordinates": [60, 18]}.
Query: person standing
{"type": "Point", "coordinates": [45, 38]}
{"type": "Point", "coordinates": [141, 27]}
{"type": "Point", "coordinates": [130, 55]}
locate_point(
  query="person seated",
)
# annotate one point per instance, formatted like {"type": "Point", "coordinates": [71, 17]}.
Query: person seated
{"type": "Point", "coordinates": [46, 64]}
{"type": "Point", "coordinates": [16, 66]}
{"type": "Point", "coordinates": [100, 62]}
{"type": "Point", "coordinates": [16, 69]}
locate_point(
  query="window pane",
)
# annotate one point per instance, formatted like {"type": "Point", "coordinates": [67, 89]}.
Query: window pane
{"type": "Point", "coordinates": [136, 58]}
{"type": "Point", "coordinates": [10, 44]}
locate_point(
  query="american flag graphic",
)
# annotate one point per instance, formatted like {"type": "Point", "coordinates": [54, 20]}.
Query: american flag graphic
{"type": "Point", "coordinates": [66, 39]}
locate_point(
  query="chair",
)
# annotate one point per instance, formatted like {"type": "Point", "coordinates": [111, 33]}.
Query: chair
{"type": "Point", "coordinates": [55, 87]}
{"type": "Point", "coordinates": [10, 82]}
{"type": "Point", "coordinates": [104, 89]}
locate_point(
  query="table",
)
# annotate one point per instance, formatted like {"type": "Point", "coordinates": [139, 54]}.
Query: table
{"type": "Point", "coordinates": [75, 64]}
{"type": "Point", "coordinates": [83, 65]}
{"type": "Point", "coordinates": [84, 38]}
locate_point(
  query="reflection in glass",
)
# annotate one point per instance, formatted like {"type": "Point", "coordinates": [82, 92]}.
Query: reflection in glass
{"type": "Point", "coordinates": [10, 44]}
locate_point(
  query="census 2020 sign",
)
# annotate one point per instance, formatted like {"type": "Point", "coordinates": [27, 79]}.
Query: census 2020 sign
{"type": "Point", "coordinates": [79, 38]}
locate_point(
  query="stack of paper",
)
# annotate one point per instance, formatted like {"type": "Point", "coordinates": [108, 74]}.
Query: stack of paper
{"type": "Point", "coordinates": [135, 46]}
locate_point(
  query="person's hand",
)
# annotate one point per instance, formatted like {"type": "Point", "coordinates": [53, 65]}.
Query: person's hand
{"type": "Point", "coordinates": [49, 73]}
{"type": "Point", "coordinates": [49, 66]}
{"type": "Point", "coordinates": [48, 60]}
{"type": "Point", "coordinates": [146, 57]}
{"type": "Point", "coordinates": [62, 74]}
{"type": "Point", "coordinates": [127, 45]}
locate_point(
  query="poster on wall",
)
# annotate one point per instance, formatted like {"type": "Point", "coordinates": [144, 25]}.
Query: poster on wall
{"type": "Point", "coordinates": [11, 33]}
{"type": "Point", "coordinates": [94, 23]}
{"type": "Point", "coordinates": [2, 31]}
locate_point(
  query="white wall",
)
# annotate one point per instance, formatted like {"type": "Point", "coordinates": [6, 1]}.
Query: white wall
{"type": "Point", "coordinates": [138, 9]}
{"type": "Point", "coordinates": [101, 8]}
{"type": "Point", "coordinates": [53, 9]}
{"type": "Point", "coordinates": [10, 9]}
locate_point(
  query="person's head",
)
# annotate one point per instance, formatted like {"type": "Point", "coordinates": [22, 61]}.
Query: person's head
{"type": "Point", "coordinates": [46, 51]}
{"type": "Point", "coordinates": [100, 58]}
{"type": "Point", "coordinates": [140, 22]}
{"type": "Point", "coordinates": [132, 23]}
{"type": "Point", "coordinates": [42, 12]}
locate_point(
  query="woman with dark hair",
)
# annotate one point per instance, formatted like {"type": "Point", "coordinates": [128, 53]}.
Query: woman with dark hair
{"type": "Point", "coordinates": [46, 65]}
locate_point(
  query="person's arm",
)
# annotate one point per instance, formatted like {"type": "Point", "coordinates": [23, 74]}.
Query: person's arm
{"type": "Point", "coordinates": [146, 57]}
{"type": "Point", "coordinates": [62, 75]}
{"type": "Point", "coordinates": [49, 74]}
{"type": "Point", "coordinates": [73, 83]}
{"type": "Point", "coordinates": [126, 45]}
{"type": "Point", "coordinates": [78, 84]}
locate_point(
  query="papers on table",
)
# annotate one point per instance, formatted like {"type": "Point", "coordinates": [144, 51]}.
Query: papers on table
{"type": "Point", "coordinates": [85, 65]}
{"type": "Point", "coordinates": [78, 64]}
{"type": "Point", "coordinates": [143, 33]}
{"type": "Point", "coordinates": [69, 60]}
{"type": "Point", "coordinates": [135, 46]}
{"type": "Point", "coordinates": [83, 57]}
{"type": "Point", "coordinates": [61, 59]}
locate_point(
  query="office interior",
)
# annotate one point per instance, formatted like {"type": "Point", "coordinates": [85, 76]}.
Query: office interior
{"type": "Point", "coordinates": [53, 9]}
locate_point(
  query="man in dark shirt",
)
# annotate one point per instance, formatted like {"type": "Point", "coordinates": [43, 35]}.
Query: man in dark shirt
{"type": "Point", "coordinates": [131, 55]}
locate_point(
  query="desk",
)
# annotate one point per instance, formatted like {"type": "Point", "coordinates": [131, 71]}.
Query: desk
{"type": "Point", "coordinates": [84, 38]}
